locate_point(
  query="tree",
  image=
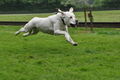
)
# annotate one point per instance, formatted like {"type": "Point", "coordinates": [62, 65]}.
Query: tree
{"type": "Point", "coordinates": [111, 3]}
{"type": "Point", "coordinates": [49, 5]}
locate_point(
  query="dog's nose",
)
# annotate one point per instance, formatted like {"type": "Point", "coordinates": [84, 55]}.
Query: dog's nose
{"type": "Point", "coordinates": [76, 21]}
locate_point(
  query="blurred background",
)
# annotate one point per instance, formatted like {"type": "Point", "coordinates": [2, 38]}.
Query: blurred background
{"type": "Point", "coordinates": [24, 10]}
{"type": "Point", "coordinates": [46, 6]}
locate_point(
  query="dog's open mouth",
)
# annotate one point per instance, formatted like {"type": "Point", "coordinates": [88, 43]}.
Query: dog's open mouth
{"type": "Point", "coordinates": [73, 25]}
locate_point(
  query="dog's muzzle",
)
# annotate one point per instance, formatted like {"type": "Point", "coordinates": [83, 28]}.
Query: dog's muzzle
{"type": "Point", "coordinates": [74, 25]}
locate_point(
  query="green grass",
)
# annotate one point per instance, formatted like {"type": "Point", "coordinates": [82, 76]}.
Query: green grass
{"type": "Point", "coordinates": [99, 16]}
{"type": "Point", "coordinates": [48, 57]}
{"type": "Point", "coordinates": [21, 17]}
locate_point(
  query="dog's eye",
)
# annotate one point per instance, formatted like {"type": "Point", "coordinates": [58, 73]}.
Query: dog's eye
{"type": "Point", "coordinates": [71, 17]}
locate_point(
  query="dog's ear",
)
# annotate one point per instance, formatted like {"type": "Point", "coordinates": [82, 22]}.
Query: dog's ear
{"type": "Point", "coordinates": [63, 14]}
{"type": "Point", "coordinates": [59, 10]}
{"type": "Point", "coordinates": [71, 9]}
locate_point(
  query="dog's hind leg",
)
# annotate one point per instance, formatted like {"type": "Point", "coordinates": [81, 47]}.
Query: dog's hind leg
{"type": "Point", "coordinates": [27, 34]}
{"type": "Point", "coordinates": [27, 28]}
{"type": "Point", "coordinates": [31, 32]}
{"type": "Point", "coordinates": [21, 30]}
{"type": "Point", "coordinates": [34, 31]}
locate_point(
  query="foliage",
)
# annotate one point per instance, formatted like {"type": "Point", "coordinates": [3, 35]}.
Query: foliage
{"type": "Point", "coordinates": [50, 5]}
{"type": "Point", "coordinates": [110, 3]}
{"type": "Point", "coordinates": [48, 57]}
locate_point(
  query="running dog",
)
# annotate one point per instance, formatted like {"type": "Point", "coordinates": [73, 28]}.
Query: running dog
{"type": "Point", "coordinates": [56, 24]}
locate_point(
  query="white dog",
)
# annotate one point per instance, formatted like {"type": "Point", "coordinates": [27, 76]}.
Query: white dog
{"type": "Point", "coordinates": [55, 24]}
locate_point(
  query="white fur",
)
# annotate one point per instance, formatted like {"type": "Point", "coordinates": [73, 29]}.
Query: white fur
{"type": "Point", "coordinates": [51, 25]}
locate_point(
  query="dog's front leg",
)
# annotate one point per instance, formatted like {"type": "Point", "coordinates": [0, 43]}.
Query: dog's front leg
{"type": "Point", "coordinates": [66, 28]}
{"type": "Point", "coordinates": [67, 36]}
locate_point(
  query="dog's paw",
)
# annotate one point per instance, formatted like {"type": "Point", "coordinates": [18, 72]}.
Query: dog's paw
{"type": "Point", "coordinates": [16, 33]}
{"type": "Point", "coordinates": [75, 44]}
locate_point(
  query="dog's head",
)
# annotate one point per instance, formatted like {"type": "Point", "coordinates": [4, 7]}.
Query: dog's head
{"type": "Point", "coordinates": [68, 17]}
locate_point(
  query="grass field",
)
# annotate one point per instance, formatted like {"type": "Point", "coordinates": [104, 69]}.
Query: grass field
{"type": "Point", "coordinates": [99, 16]}
{"type": "Point", "coordinates": [48, 57]}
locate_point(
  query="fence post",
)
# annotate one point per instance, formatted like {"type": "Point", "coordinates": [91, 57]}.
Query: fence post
{"type": "Point", "coordinates": [91, 19]}
{"type": "Point", "coordinates": [85, 18]}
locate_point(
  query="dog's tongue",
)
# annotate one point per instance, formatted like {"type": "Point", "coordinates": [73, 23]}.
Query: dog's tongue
{"type": "Point", "coordinates": [75, 26]}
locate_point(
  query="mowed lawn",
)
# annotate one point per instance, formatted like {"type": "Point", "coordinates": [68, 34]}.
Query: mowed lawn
{"type": "Point", "coordinates": [48, 57]}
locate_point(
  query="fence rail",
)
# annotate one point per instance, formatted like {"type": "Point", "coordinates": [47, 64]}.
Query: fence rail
{"type": "Point", "coordinates": [81, 24]}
